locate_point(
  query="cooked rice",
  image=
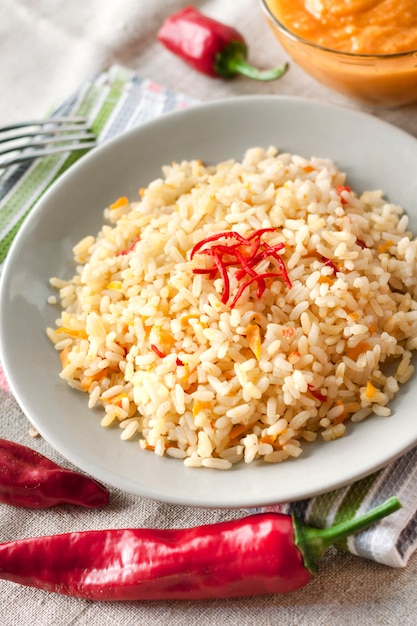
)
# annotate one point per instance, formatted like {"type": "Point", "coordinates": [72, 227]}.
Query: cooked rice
{"type": "Point", "coordinates": [176, 368]}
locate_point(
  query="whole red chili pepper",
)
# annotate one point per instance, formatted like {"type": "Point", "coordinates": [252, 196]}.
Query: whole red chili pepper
{"type": "Point", "coordinates": [267, 553]}
{"type": "Point", "coordinates": [211, 47]}
{"type": "Point", "coordinates": [31, 480]}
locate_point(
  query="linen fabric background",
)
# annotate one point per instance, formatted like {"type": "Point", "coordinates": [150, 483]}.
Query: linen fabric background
{"type": "Point", "coordinates": [49, 50]}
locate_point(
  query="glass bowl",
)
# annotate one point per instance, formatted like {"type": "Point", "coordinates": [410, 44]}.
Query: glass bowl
{"type": "Point", "coordinates": [388, 80]}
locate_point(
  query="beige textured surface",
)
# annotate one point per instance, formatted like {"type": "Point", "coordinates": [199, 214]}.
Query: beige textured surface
{"type": "Point", "coordinates": [49, 47]}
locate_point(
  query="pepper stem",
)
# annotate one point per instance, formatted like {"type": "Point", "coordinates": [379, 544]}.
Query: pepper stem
{"type": "Point", "coordinates": [232, 60]}
{"type": "Point", "coordinates": [313, 542]}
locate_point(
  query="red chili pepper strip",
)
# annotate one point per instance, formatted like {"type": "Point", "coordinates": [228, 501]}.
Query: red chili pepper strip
{"type": "Point", "coordinates": [330, 263]}
{"type": "Point", "coordinates": [158, 351]}
{"type": "Point", "coordinates": [268, 553]}
{"type": "Point", "coordinates": [129, 249]}
{"type": "Point", "coordinates": [243, 286]}
{"type": "Point", "coordinates": [316, 394]}
{"type": "Point", "coordinates": [256, 236]}
{"type": "Point", "coordinates": [219, 250]}
{"type": "Point", "coordinates": [226, 235]}
{"type": "Point", "coordinates": [211, 47]}
{"type": "Point", "coordinates": [260, 232]}
{"type": "Point", "coordinates": [247, 264]}
{"type": "Point", "coordinates": [238, 258]}
{"type": "Point", "coordinates": [340, 189]}
{"type": "Point", "coordinates": [211, 271]}
{"type": "Point", "coordinates": [223, 273]}
{"type": "Point", "coordinates": [29, 479]}
{"type": "Point", "coordinates": [272, 251]}
{"type": "Point", "coordinates": [162, 355]}
{"type": "Point", "coordinates": [263, 255]}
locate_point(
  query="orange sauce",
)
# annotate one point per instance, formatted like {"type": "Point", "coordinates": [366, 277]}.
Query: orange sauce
{"type": "Point", "coordinates": [364, 27]}
{"type": "Point", "coordinates": [359, 26]}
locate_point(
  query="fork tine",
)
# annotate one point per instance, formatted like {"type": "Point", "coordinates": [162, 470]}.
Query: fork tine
{"type": "Point", "coordinates": [48, 141]}
{"type": "Point", "coordinates": [46, 138]}
{"type": "Point", "coordinates": [48, 131]}
{"type": "Point", "coordinates": [50, 120]}
{"type": "Point", "coordinates": [30, 156]}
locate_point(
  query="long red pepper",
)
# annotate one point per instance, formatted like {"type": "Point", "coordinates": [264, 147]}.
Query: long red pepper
{"type": "Point", "coordinates": [268, 553]}
{"type": "Point", "coordinates": [29, 479]}
{"type": "Point", "coordinates": [211, 47]}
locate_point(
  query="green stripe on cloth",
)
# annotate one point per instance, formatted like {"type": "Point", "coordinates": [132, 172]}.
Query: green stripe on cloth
{"type": "Point", "coordinates": [109, 105]}
{"type": "Point", "coordinates": [8, 239]}
{"type": "Point", "coordinates": [18, 202]}
{"type": "Point", "coordinates": [352, 501]}
{"type": "Point", "coordinates": [73, 158]}
{"type": "Point", "coordinates": [322, 506]}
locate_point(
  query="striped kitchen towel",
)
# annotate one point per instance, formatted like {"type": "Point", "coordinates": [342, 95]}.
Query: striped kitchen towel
{"type": "Point", "coordinates": [113, 102]}
{"type": "Point", "coordinates": [392, 540]}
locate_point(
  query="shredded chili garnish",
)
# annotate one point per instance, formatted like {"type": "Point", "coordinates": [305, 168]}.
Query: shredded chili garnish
{"type": "Point", "coordinates": [330, 263]}
{"type": "Point", "coordinates": [162, 355]}
{"type": "Point", "coordinates": [158, 351]}
{"type": "Point", "coordinates": [339, 190]}
{"type": "Point", "coordinates": [129, 249]}
{"type": "Point", "coordinates": [216, 237]}
{"type": "Point", "coordinates": [243, 256]}
{"type": "Point", "coordinates": [316, 394]}
{"type": "Point", "coordinates": [260, 279]}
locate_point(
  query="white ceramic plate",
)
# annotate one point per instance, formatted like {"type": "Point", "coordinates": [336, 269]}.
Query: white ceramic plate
{"type": "Point", "coordinates": [374, 155]}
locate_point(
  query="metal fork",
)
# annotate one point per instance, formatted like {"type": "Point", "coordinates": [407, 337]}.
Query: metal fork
{"type": "Point", "coordinates": [38, 138]}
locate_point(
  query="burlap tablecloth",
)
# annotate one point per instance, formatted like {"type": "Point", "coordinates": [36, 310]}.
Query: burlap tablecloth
{"type": "Point", "coordinates": [49, 48]}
